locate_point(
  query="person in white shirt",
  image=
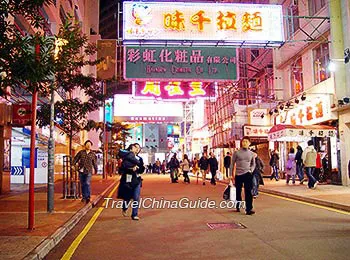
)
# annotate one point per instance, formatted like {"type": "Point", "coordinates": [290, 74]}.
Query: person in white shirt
{"type": "Point", "coordinates": [309, 159]}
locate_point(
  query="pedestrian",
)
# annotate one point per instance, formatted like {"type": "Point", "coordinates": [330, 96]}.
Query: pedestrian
{"type": "Point", "coordinates": [131, 182]}
{"type": "Point", "coordinates": [203, 166]}
{"type": "Point", "coordinates": [274, 164]}
{"type": "Point", "coordinates": [299, 164]}
{"type": "Point", "coordinates": [185, 165]}
{"type": "Point", "coordinates": [174, 165]}
{"type": "Point", "coordinates": [318, 167]}
{"type": "Point", "coordinates": [164, 167]}
{"type": "Point", "coordinates": [227, 163]}
{"type": "Point", "coordinates": [257, 175]}
{"type": "Point", "coordinates": [213, 166]}
{"type": "Point", "coordinates": [158, 164]}
{"type": "Point", "coordinates": [149, 168]}
{"type": "Point", "coordinates": [309, 160]}
{"type": "Point", "coordinates": [244, 160]}
{"type": "Point", "coordinates": [195, 167]}
{"type": "Point", "coordinates": [84, 162]}
{"type": "Point", "coordinates": [291, 166]}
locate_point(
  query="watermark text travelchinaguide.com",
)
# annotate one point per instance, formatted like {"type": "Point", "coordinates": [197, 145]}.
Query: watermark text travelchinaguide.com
{"type": "Point", "coordinates": [183, 203]}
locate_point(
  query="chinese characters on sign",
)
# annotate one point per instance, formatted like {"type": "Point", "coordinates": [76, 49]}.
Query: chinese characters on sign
{"type": "Point", "coordinates": [174, 89]}
{"type": "Point", "coordinates": [274, 136]}
{"type": "Point", "coordinates": [256, 131]}
{"type": "Point", "coordinates": [315, 110]}
{"type": "Point", "coordinates": [180, 63]}
{"type": "Point", "coordinates": [212, 22]}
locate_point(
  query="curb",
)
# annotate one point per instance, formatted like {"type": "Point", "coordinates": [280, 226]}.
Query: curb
{"type": "Point", "coordinates": [306, 199]}
{"type": "Point", "coordinates": [51, 241]}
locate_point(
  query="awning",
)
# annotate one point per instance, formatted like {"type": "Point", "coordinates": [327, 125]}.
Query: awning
{"type": "Point", "coordinates": [299, 133]}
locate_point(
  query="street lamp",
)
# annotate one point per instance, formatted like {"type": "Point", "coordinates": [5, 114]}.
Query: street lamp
{"type": "Point", "coordinates": [59, 43]}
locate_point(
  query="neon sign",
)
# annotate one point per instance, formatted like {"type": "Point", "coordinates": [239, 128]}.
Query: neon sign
{"type": "Point", "coordinates": [180, 63]}
{"type": "Point", "coordinates": [173, 90]}
{"type": "Point", "coordinates": [212, 22]}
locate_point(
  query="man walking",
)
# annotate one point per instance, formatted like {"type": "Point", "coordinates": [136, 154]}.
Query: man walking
{"type": "Point", "coordinates": [227, 163]}
{"type": "Point", "coordinates": [203, 166]}
{"type": "Point", "coordinates": [213, 166]}
{"type": "Point", "coordinates": [244, 160]}
{"type": "Point", "coordinates": [86, 160]}
{"type": "Point", "coordinates": [309, 160]}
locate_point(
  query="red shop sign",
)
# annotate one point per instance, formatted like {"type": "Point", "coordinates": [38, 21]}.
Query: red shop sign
{"type": "Point", "coordinates": [21, 114]}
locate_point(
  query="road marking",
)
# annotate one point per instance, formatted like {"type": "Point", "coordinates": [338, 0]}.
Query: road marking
{"type": "Point", "coordinates": [301, 202]}
{"type": "Point", "coordinates": [70, 251]}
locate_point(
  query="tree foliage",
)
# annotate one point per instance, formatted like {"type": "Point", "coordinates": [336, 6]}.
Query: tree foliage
{"type": "Point", "coordinates": [19, 63]}
{"type": "Point", "coordinates": [71, 112]}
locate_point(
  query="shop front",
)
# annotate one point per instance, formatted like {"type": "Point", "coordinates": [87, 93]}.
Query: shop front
{"type": "Point", "coordinates": [310, 118]}
{"type": "Point", "coordinates": [324, 139]}
{"type": "Point", "coordinates": [259, 141]}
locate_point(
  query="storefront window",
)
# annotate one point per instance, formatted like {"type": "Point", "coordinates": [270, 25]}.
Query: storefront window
{"type": "Point", "coordinates": [297, 84]}
{"type": "Point", "coordinates": [321, 61]}
{"type": "Point", "coordinates": [315, 6]}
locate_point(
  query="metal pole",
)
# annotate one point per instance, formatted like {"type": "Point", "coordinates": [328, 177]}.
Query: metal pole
{"type": "Point", "coordinates": [105, 143]}
{"type": "Point", "coordinates": [51, 154]}
{"type": "Point", "coordinates": [32, 162]}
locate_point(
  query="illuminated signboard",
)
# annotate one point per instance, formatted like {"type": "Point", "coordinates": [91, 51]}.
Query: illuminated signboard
{"type": "Point", "coordinates": [213, 22]}
{"type": "Point", "coordinates": [127, 109]}
{"type": "Point", "coordinates": [180, 63]}
{"type": "Point", "coordinates": [314, 110]}
{"type": "Point", "coordinates": [174, 90]}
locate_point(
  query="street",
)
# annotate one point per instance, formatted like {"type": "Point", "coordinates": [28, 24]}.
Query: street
{"type": "Point", "coordinates": [280, 229]}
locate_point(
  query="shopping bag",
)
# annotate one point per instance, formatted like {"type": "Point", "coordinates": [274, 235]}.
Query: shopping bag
{"type": "Point", "coordinates": [226, 195]}
{"type": "Point", "coordinates": [232, 191]}
{"type": "Point", "coordinates": [219, 175]}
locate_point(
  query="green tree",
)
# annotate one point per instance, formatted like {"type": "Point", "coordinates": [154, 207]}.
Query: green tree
{"type": "Point", "coordinates": [20, 62]}
{"type": "Point", "coordinates": [71, 112]}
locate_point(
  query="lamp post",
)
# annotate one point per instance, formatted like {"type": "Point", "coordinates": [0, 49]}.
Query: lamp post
{"type": "Point", "coordinates": [51, 143]}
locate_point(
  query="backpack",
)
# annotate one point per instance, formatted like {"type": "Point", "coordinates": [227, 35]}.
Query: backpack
{"type": "Point", "coordinates": [310, 159]}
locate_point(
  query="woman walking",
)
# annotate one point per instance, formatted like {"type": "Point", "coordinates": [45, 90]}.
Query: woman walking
{"type": "Point", "coordinates": [299, 164]}
{"type": "Point", "coordinates": [291, 166]}
{"type": "Point", "coordinates": [186, 168]}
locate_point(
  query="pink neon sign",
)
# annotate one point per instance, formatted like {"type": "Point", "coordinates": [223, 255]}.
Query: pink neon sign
{"type": "Point", "coordinates": [174, 90]}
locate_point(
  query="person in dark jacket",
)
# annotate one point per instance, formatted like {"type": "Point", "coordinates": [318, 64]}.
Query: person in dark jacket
{"type": "Point", "coordinates": [257, 175]}
{"type": "Point", "coordinates": [274, 164]}
{"type": "Point", "coordinates": [130, 182]}
{"type": "Point", "coordinates": [85, 161]}
{"type": "Point", "coordinates": [204, 166]}
{"type": "Point", "coordinates": [174, 165]}
{"type": "Point", "coordinates": [213, 166]}
{"type": "Point", "coordinates": [227, 163]}
{"type": "Point", "coordinates": [299, 164]}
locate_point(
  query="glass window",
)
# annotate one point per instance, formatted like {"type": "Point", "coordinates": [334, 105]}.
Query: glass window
{"type": "Point", "coordinates": [321, 62]}
{"type": "Point", "coordinates": [297, 85]}
{"type": "Point", "coordinates": [293, 21]}
{"type": "Point", "coordinates": [315, 6]}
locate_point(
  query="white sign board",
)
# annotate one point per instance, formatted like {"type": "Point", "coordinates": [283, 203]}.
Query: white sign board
{"type": "Point", "coordinates": [213, 22]}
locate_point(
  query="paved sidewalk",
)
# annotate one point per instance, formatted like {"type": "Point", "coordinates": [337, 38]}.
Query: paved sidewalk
{"type": "Point", "coordinates": [334, 196]}
{"type": "Point", "coordinates": [16, 242]}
